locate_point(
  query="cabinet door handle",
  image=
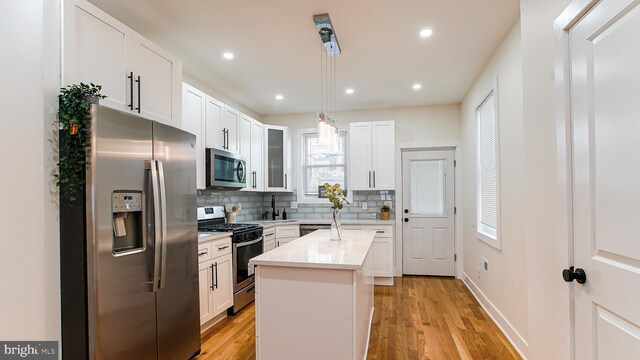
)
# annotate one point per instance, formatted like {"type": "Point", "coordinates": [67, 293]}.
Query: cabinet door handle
{"type": "Point", "coordinates": [369, 178]}
{"type": "Point", "coordinates": [285, 181]}
{"type": "Point", "coordinates": [215, 265]}
{"type": "Point", "coordinates": [139, 81]}
{"type": "Point", "coordinates": [212, 279]}
{"type": "Point", "coordinates": [224, 139]}
{"type": "Point", "coordinates": [374, 179]}
{"type": "Point", "coordinates": [130, 77]}
{"type": "Point", "coordinates": [227, 136]}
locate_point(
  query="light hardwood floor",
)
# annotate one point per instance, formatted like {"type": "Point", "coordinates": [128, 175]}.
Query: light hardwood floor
{"type": "Point", "coordinates": [418, 318]}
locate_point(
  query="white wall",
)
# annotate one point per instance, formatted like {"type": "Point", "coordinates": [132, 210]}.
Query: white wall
{"type": "Point", "coordinates": [218, 95]}
{"type": "Point", "coordinates": [29, 253]}
{"type": "Point", "coordinates": [547, 252]}
{"type": "Point", "coordinates": [413, 124]}
{"type": "Point", "coordinates": [504, 285]}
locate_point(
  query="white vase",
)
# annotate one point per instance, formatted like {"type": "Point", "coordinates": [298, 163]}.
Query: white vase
{"type": "Point", "coordinates": [336, 227]}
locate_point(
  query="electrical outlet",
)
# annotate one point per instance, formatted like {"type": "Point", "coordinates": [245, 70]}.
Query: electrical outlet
{"type": "Point", "coordinates": [364, 205]}
{"type": "Point", "coordinates": [484, 264]}
{"type": "Point", "coordinates": [388, 203]}
{"type": "Point", "coordinates": [294, 204]}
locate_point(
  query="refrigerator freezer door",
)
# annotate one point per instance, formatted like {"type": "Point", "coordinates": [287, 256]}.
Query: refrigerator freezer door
{"type": "Point", "coordinates": [122, 306]}
{"type": "Point", "coordinates": [177, 298]}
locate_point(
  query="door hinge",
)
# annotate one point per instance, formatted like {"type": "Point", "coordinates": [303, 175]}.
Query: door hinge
{"type": "Point", "coordinates": [455, 257]}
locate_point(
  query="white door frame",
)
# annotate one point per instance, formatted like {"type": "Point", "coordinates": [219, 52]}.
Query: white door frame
{"type": "Point", "coordinates": [429, 146]}
{"type": "Point", "coordinates": [562, 71]}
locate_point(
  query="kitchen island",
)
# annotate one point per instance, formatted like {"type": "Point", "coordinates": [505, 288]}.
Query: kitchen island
{"type": "Point", "coordinates": [314, 297]}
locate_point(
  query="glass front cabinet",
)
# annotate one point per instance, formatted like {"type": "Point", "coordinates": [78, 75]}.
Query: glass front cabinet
{"type": "Point", "coordinates": [278, 157]}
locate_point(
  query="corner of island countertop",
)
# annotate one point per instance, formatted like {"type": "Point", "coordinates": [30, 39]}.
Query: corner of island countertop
{"type": "Point", "coordinates": [317, 250]}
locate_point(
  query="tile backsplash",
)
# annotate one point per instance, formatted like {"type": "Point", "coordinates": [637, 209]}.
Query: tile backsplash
{"type": "Point", "coordinates": [253, 205]}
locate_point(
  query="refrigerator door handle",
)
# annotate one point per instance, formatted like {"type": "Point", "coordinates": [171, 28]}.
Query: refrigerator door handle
{"type": "Point", "coordinates": [151, 166]}
{"type": "Point", "coordinates": [163, 236]}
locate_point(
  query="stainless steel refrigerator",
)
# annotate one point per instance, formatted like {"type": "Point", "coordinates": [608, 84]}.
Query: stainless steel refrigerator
{"type": "Point", "coordinates": [129, 245]}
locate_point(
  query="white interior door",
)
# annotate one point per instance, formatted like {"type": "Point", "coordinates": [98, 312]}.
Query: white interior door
{"type": "Point", "coordinates": [605, 89]}
{"type": "Point", "coordinates": [428, 213]}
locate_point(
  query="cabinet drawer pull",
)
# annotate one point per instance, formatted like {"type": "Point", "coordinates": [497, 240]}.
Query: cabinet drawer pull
{"type": "Point", "coordinates": [269, 234]}
{"type": "Point", "coordinates": [380, 231]}
{"type": "Point", "coordinates": [223, 247]}
{"type": "Point", "coordinates": [203, 253]}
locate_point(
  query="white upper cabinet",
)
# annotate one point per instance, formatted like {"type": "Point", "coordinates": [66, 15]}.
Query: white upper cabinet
{"type": "Point", "coordinates": [371, 156]}
{"type": "Point", "coordinates": [96, 50]}
{"type": "Point", "coordinates": [277, 163]}
{"type": "Point", "coordinates": [383, 150]}
{"type": "Point", "coordinates": [252, 149]}
{"type": "Point", "coordinates": [245, 147]}
{"type": "Point", "coordinates": [360, 156]}
{"type": "Point", "coordinates": [231, 126]}
{"type": "Point", "coordinates": [158, 78]}
{"type": "Point", "coordinates": [193, 121]}
{"type": "Point", "coordinates": [215, 134]}
{"type": "Point", "coordinates": [136, 75]}
{"type": "Point", "coordinates": [257, 155]}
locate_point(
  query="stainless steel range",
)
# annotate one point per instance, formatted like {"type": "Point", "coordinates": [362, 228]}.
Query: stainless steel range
{"type": "Point", "coordinates": [247, 243]}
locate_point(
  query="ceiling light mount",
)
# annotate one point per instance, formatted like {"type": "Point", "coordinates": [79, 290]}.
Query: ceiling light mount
{"type": "Point", "coordinates": [327, 34]}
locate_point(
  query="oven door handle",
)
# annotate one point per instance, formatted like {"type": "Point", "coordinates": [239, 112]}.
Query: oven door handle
{"type": "Point", "coordinates": [239, 245]}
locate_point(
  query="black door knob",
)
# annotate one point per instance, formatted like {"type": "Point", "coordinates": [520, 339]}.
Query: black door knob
{"type": "Point", "coordinates": [406, 211]}
{"type": "Point", "coordinates": [406, 219]}
{"type": "Point", "coordinates": [578, 275]}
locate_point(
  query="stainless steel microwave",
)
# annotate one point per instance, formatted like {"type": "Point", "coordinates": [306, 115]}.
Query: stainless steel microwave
{"type": "Point", "coordinates": [225, 170]}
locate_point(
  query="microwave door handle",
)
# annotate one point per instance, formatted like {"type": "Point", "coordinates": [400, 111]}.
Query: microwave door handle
{"type": "Point", "coordinates": [239, 245]}
{"type": "Point", "coordinates": [151, 166]}
{"type": "Point", "coordinates": [163, 212]}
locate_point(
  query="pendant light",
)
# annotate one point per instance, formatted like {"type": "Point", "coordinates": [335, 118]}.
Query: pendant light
{"type": "Point", "coordinates": [328, 133]}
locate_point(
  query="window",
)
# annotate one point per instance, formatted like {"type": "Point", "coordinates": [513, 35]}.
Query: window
{"type": "Point", "coordinates": [487, 171]}
{"type": "Point", "coordinates": [320, 164]}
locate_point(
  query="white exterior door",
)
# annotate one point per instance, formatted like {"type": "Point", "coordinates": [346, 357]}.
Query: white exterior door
{"type": "Point", "coordinates": [428, 213]}
{"type": "Point", "coordinates": [605, 116]}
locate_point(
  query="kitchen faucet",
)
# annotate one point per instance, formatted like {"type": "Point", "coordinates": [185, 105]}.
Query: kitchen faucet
{"type": "Point", "coordinates": [274, 212]}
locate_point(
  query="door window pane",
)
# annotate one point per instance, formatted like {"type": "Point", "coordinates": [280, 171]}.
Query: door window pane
{"type": "Point", "coordinates": [428, 187]}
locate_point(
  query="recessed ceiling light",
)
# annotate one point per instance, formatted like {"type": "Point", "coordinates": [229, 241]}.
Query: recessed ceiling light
{"type": "Point", "coordinates": [425, 33]}
{"type": "Point", "coordinates": [417, 86]}
{"type": "Point", "coordinates": [227, 55]}
{"type": "Point", "coordinates": [279, 97]}
{"type": "Point", "coordinates": [349, 91]}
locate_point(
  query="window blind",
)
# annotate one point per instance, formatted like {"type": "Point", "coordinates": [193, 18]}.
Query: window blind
{"type": "Point", "coordinates": [487, 167]}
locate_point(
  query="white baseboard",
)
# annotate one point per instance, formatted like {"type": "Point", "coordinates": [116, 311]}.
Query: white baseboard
{"type": "Point", "coordinates": [385, 281]}
{"type": "Point", "coordinates": [514, 337]}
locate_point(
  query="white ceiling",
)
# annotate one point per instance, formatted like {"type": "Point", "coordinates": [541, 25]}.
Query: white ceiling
{"type": "Point", "coordinates": [277, 49]}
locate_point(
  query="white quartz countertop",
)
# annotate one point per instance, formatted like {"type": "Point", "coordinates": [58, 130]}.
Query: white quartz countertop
{"type": "Point", "coordinates": [317, 250]}
{"type": "Point", "coordinates": [271, 223]}
{"type": "Point", "coordinates": [209, 236]}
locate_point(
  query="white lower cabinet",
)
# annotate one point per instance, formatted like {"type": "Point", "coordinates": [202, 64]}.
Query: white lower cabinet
{"type": "Point", "coordinates": [215, 278]}
{"type": "Point", "coordinates": [269, 242]}
{"type": "Point", "coordinates": [286, 233]}
{"type": "Point", "coordinates": [382, 251]}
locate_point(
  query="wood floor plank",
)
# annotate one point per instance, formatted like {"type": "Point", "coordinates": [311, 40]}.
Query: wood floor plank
{"type": "Point", "coordinates": [419, 318]}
